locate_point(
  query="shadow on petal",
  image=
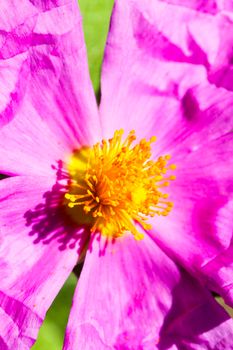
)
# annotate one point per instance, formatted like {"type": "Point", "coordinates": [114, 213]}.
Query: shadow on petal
{"type": "Point", "coordinates": [50, 221]}
{"type": "Point", "coordinates": [194, 317]}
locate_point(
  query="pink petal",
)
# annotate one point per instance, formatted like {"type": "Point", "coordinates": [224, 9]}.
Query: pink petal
{"type": "Point", "coordinates": [221, 72]}
{"type": "Point", "coordinates": [195, 320]}
{"type": "Point", "coordinates": [45, 82]}
{"type": "Point", "coordinates": [156, 74]}
{"type": "Point", "coordinates": [35, 258]}
{"type": "Point", "coordinates": [206, 114]}
{"type": "Point", "coordinates": [29, 147]}
{"type": "Point", "coordinates": [199, 229]}
{"type": "Point", "coordinates": [210, 6]}
{"type": "Point", "coordinates": [129, 292]}
{"type": "Point", "coordinates": [160, 76]}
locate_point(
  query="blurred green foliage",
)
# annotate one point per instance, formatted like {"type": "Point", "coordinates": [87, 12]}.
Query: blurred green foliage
{"type": "Point", "coordinates": [52, 331]}
{"type": "Point", "coordinates": [96, 15]}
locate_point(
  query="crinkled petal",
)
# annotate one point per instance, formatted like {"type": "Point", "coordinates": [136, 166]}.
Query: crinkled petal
{"type": "Point", "coordinates": [156, 73]}
{"type": "Point", "coordinates": [209, 6]}
{"type": "Point", "coordinates": [198, 231]}
{"type": "Point", "coordinates": [128, 296]}
{"type": "Point", "coordinates": [29, 147]}
{"type": "Point", "coordinates": [46, 97]}
{"type": "Point", "coordinates": [206, 115]}
{"type": "Point", "coordinates": [34, 263]}
{"type": "Point", "coordinates": [195, 320]}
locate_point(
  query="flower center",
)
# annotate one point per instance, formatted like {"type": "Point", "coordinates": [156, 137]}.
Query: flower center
{"type": "Point", "coordinates": [115, 184]}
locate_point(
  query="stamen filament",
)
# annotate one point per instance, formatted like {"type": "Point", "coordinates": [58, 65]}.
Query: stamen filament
{"type": "Point", "coordinates": [118, 185]}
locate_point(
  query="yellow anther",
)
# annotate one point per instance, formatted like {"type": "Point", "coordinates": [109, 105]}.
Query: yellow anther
{"type": "Point", "coordinates": [172, 167]}
{"type": "Point", "coordinates": [116, 184]}
{"type": "Point", "coordinates": [139, 237]}
{"type": "Point", "coordinates": [153, 139]}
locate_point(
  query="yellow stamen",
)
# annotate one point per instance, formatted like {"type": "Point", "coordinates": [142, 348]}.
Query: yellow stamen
{"type": "Point", "coordinates": [116, 184]}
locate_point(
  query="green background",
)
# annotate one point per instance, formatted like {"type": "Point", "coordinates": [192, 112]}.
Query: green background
{"type": "Point", "coordinates": [96, 15]}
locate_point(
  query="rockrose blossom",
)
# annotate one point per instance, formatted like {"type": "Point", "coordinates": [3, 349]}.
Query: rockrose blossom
{"type": "Point", "coordinates": [93, 184]}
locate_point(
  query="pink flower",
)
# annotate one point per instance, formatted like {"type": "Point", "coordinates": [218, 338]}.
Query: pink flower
{"type": "Point", "coordinates": [167, 71]}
